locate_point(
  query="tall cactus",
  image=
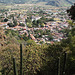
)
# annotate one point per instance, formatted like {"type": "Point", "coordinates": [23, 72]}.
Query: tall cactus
{"type": "Point", "coordinates": [20, 59]}
{"type": "Point", "coordinates": [3, 71]}
{"type": "Point", "coordinates": [58, 66]}
{"type": "Point", "coordinates": [64, 64]}
{"type": "Point", "coordinates": [14, 67]}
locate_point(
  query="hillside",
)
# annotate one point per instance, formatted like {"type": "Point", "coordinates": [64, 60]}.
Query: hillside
{"type": "Point", "coordinates": [49, 2]}
{"type": "Point", "coordinates": [60, 3]}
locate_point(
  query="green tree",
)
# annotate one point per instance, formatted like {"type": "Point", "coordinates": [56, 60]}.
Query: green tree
{"type": "Point", "coordinates": [29, 25]}
{"type": "Point", "coordinates": [15, 22]}
{"type": "Point", "coordinates": [50, 37]}
{"type": "Point", "coordinates": [71, 12]}
{"type": "Point", "coordinates": [34, 23]}
{"type": "Point", "coordinates": [22, 24]}
{"type": "Point", "coordinates": [5, 20]}
{"type": "Point", "coordinates": [10, 24]}
{"type": "Point", "coordinates": [31, 42]}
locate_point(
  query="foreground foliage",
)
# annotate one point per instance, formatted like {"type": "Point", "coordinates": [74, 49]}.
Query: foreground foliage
{"type": "Point", "coordinates": [39, 59]}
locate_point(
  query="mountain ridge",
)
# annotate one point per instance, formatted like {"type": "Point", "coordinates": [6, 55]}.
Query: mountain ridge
{"type": "Point", "coordinates": [49, 2]}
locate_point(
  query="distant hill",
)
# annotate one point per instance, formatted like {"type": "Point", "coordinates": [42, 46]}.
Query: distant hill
{"type": "Point", "coordinates": [59, 2]}
{"type": "Point", "coordinates": [49, 2]}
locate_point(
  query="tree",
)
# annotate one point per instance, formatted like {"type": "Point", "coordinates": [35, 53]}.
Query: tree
{"type": "Point", "coordinates": [5, 20]}
{"type": "Point", "coordinates": [15, 22]}
{"type": "Point", "coordinates": [71, 12]}
{"type": "Point", "coordinates": [39, 21]}
{"type": "Point", "coordinates": [22, 24]}
{"type": "Point", "coordinates": [28, 20]}
{"type": "Point", "coordinates": [42, 24]}
{"type": "Point", "coordinates": [51, 19]}
{"type": "Point", "coordinates": [29, 25]}
{"type": "Point", "coordinates": [31, 42]}
{"type": "Point", "coordinates": [50, 37]}
{"type": "Point", "coordinates": [10, 24]}
{"type": "Point", "coordinates": [34, 23]}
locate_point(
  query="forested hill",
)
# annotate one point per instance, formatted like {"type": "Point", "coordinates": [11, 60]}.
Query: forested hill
{"type": "Point", "coordinates": [48, 2]}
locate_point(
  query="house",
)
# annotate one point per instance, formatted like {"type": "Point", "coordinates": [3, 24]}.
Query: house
{"type": "Point", "coordinates": [35, 18]}
{"type": "Point", "coordinates": [3, 23]}
{"type": "Point", "coordinates": [19, 27]}
{"type": "Point", "coordinates": [32, 37]}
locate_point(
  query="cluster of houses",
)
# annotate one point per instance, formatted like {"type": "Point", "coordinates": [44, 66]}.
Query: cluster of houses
{"type": "Point", "coordinates": [55, 26]}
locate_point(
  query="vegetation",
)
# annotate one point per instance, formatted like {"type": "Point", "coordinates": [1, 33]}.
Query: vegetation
{"type": "Point", "coordinates": [71, 12]}
{"type": "Point", "coordinates": [37, 23]}
{"type": "Point", "coordinates": [30, 58]}
{"type": "Point", "coordinates": [22, 24]}
{"type": "Point", "coordinates": [5, 20]}
{"type": "Point", "coordinates": [39, 59]}
{"type": "Point", "coordinates": [13, 24]}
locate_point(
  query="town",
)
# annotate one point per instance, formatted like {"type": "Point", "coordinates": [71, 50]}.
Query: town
{"type": "Point", "coordinates": [41, 24]}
